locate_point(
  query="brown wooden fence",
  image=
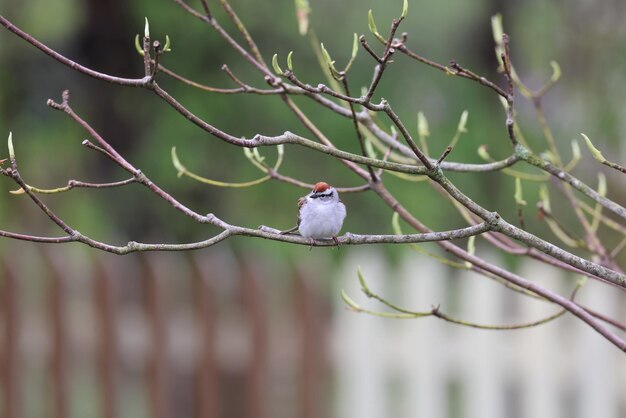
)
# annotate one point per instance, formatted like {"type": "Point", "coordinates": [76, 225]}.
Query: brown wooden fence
{"type": "Point", "coordinates": [159, 335]}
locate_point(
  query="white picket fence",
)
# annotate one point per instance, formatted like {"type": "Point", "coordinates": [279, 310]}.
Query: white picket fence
{"type": "Point", "coordinates": [428, 368]}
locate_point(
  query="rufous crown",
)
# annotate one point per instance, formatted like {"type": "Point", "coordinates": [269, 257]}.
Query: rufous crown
{"type": "Point", "coordinates": [320, 187]}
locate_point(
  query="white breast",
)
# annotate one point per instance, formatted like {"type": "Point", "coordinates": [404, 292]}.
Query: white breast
{"type": "Point", "coordinates": [320, 219]}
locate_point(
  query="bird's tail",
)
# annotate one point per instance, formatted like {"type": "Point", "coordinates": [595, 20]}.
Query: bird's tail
{"type": "Point", "coordinates": [289, 231]}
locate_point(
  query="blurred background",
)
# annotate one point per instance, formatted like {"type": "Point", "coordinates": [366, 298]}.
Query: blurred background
{"type": "Point", "coordinates": [252, 328]}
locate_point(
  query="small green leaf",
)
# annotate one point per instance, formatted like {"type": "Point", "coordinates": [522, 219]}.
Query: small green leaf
{"type": "Point", "coordinates": [355, 50]}
{"type": "Point", "coordinates": [395, 223]}
{"type": "Point", "coordinates": [545, 198]}
{"type": "Point", "coordinates": [329, 62]}
{"type": "Point", "coordinates": [594, 151]}
{"type": "Point", "coordinates": [601, 185]}
{"type": "Point", "coordinates": [138, 45]}
{"type": "Point", "coordinates": [372, 25]}
{"type": "Point", "coordinates": [257, 155]}
{"type": "Point", "coordinates": [10, 145]}
{"type": "Point", "coordinates": [364, 287]}
{"type": "Point", "coordinates": [498, 31]}
{"type": "Point", "coordinates": [176, 162]}
{"type": "Point", "coordinates": [289, 63]}
{"type": "Point", "coordinates": [168, 44]}
{"type": "Point", "coordinates": [146, 29]}
{"type": "Point", "coordinates": [422, 125]}
{"type": "Point", "coordinates": [471, 245]}
{"type": "Point", "coordinates": [504, 103]}
{"type": "Point", "coordinates": [496, 28]}
{"type": "Point", "coordinates": [483, 153]}
{"type": "Point", "coordinates": [250, 155]}
{"type": "Point", "coordinates": [575, 150]}
{"type": "Point", "coordinates": [556, 71]}
{"type": "Point", "coordinates": [405, 8]}
{"type": "Point", "coordinates": [519, 200]}
{"type": "Point", "coordinates": [461, 127]}
{"type": "Point", "coordinates": [348, 301]}
{"type": "Point", "coordinates": [355, 46]}
{"type": "Point", "coordinates": [371, 22]}
{"type": "Point", "coordinates": [277, 68]}
{"type": "Point", "coordinates": [326, 55]}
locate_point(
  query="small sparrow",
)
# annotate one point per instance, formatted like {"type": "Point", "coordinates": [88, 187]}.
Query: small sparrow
{"type": "Point", "coordinates": [321, 214]}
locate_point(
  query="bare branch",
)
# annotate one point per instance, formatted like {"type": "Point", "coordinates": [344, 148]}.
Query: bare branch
{"type": "Point", "coordinates": [359, 135]}
{"type": "Point", "coordinates": [136, 82]}
{"type": "Point", "coordinates": [73, 184]}
{"type": "Point", "coordinates": [480, 265]}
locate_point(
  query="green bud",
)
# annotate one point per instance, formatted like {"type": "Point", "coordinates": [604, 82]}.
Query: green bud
{"type": "Point", "coordinates": [10, 145]}
{"type": "Point", "coordinates": [329, 62]}
{"type": "Point", "coordinates": [575, 150]}
{"type": "Point", "coordinates": [545, 198]}
{"type": "Point", "coordinates": [348, 301]}
{"type": "Point", "coordinates": [371, 22]}
{"type": "Point", "coordinates": [355, 46]}
{"type": "Point", "coordinates": [372, 25]}
{"type": "Point", "coordinates": [364, 287]}
{"type": "Point", "coordinates": [168, 44]}
{"type": "Point", "coordinates": [405, 8]}
{"type": "Point", "coordinates": [601, 185]}
{"type": "Point", "coordinates": [519, 200]}
{"type": "Point", "coordinates": [462, 122]}
{"type": "Point", "coordinates": [422, 125]}
{"type": "Point", "coordinates": [471, 245]}
{"type": "Point", "coordinates": [556, 71]}
{"type": "Point", "coordinates": [594, 151]}
{"type": "Point", "coordinates": [138, 46]}
{"type": "Point", "coordinates": [395, 223]}
{"type": "Point", "coordinates": [483, 153]}
{"type": "Point", "coordinates": [496, 28]}
{"type": "Point", "coordinates": [277, 68]}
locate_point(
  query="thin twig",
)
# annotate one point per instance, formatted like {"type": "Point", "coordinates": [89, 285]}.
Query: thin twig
{"type": "Point", "coordinates": [369, 49]}
{"type": "Point", "coordinates": [359, 135]}
{"type": "Point", "coordinates": [564, 176]}
{"type": "Point", "coordinates": [241, 27]}
{"type": "Point", "coordinates": [459, 71]}
{"type": "Point", "coordinates": [244, 88]}
{"type": "Point", "coordinates": [73, 184]}
{"type": "Point", "coordinates": [68, 62]}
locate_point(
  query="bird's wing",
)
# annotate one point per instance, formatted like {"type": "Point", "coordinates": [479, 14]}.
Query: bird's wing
{"type": "Point", "coordinates": [301, 202]}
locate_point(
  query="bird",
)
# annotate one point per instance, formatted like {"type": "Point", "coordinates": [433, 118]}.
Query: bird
{"type": "Point", "coordinates": [320, 214]}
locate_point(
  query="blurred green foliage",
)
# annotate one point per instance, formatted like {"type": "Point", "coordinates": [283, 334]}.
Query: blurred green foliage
{"type": "Point", "coordinates": [586, 41]}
